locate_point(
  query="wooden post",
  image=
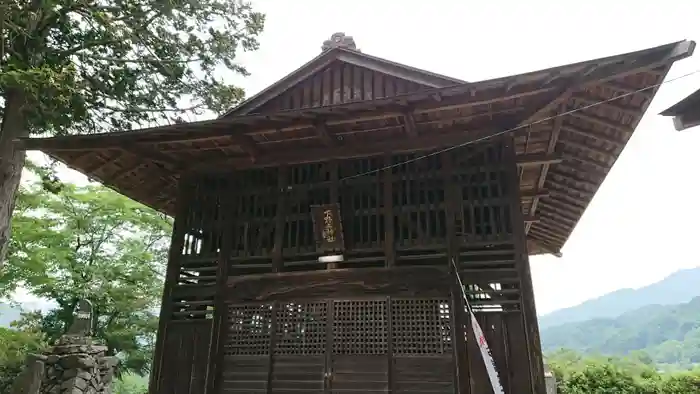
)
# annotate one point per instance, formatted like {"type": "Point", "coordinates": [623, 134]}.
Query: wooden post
{"type": "Point", "coordinates": [280, 219]}
{"type": "Point", "coordinates": [529, 312]}
{"type": "Point", "coordinates": [389, 241]}
{"type": "Point", "coordinates": [218, 336]}
{"type": "Point", "coordinates": [461, 361]}
{"type": "Point", "coordinates": [171, 275]}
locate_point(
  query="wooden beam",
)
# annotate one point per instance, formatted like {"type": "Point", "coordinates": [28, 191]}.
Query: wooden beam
{"type": "Point", "coordinates": [547, 248]}
{"type": "Point", "coordinates": [551, 148]}
{"type": "Point", "coordinates": [535, 193]}
{"type": "Point", "coordinates": [142, 152]}
{"type": "Point", "coordinates": [247, 145]}
{"type": "Point", "coordinates": [531, 219]}
{"type": "Point", "coordinates": [325, 136]}
{"type": "Point", "coordinates": [423, 281]}
{"type": "Point", "coordinates": [456, 136]}
{"type": "Point", "coordinates": [532, 159]}
{"type": "Point", "coordinates": [409, 124]}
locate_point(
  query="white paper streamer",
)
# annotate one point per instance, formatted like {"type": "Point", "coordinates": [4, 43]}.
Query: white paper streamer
{"type": "Point", "coordinates": [481, 341]}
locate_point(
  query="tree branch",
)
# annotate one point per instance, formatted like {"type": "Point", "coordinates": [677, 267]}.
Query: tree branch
{"type": "Point", "coordinates": [143, 61]}
{"type": "Point", "coordinates": [153, 110]}
{"type": "Point", "coordinates": [86, 45]}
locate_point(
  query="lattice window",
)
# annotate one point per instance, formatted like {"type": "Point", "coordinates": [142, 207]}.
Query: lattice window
{"type": "Point", "coordinates": [360, 327]}
{"type": "Point", "coordinates": [421, 326]}
{"type": "Point", "coordinates": [482, 179]}
{"type": "Point", "coordinates": [301, 328]}
{"type": "Point", "coordinates": [249, 329]}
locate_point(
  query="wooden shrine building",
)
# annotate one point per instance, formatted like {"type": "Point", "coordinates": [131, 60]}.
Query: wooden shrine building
{"type": "Point", "coordinates": [685, 113]}
{"type": "Point", "coordinates": [397, 171]}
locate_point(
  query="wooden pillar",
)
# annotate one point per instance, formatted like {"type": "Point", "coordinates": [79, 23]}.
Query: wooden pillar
{"type": "Point", "coordinates": [389, 241]}
{"type": "Point", "coordinates": [280, 219]}
{"type": "Point", "coordinates": [452, 209]}
{"type": "Point", "coordinates": [218, 336]}
{"type": "Point", "coordinates": [171, 275]}
{"type": "Point", "coordinates": [527, 295]}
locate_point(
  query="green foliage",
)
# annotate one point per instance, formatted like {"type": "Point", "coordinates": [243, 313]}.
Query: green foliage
{"type": "Point", "coordinates": [577, 374]}
{"type": "Point", "coordinates": [90, 242]}
{"type": "Point", "coordinates": [667, 334]}
{"type": "Point", "coordinates": [81, 66]}
{"type": "Point", "coordinates": [15, 345]}
{"type": "Point", "coordinates": [131, 384]}
{"type": "Point", "coordinates": [86, 66]}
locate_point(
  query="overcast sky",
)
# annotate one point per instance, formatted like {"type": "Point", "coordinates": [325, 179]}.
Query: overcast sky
{"type": "Point", "coordinates": [641, 225]}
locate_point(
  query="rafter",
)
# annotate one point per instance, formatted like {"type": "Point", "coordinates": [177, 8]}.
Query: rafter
{"type": "Point", "coordinates": [422, 143]}
{"type": "Point", "coordinates": [535, 193]}
{"type": "Point", "coordinates": [601, 121]}
{"type": "Point", "coordinates": [534, 159]}
{"type": "Point", "coordinates": [551, 148]}
{"type": "Point", "coordinates": [597, 136]}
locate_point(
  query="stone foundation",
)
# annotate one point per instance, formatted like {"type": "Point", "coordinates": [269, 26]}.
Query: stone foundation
{"type": "Point", "coordinates": [75, 365]}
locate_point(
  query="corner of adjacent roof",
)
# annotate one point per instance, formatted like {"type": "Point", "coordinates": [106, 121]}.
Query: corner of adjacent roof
{"type": "Point", "coordinates": [678, 123]}
{"type": "Point", "coordinates": [683, 49]}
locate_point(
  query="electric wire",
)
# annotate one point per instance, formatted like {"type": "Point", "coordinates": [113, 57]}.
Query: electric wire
{"type": "Point", "coordinates": [510, 130]}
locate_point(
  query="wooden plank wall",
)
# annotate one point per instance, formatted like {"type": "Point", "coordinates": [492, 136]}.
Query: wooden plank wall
{"type": "Point", "coordinates": [462, 204]}
{"type": "Point", "coordinates": [185, 357]}
{"type": "Point", "coordinates": [339, 83]}
{"type": "Point", "coordinates": [182, 355]}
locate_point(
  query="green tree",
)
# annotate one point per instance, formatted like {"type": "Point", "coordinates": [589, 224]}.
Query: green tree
{"type": "Point", "coordinates": [15, 345]}
{"type": "Point", "coordinates": [83, 66]}
{"type": "Point", "coordinates": [577, 374]}
{"type": "Point", "coordinates": [75, 242]}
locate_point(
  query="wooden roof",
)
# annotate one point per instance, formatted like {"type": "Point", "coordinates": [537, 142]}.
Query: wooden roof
{"type": "Point", "coordinates": [348, 56]}
{"type": "Point", "coordinates": [563, 160]}
{"type": "Point", "coordinates": [685, 113]}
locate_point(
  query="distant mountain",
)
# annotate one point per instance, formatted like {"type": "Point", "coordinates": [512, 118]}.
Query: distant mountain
{"type": "Point", "coordinates": [677, 288]}
{"type": "Point", "coordinates": [669, 334]}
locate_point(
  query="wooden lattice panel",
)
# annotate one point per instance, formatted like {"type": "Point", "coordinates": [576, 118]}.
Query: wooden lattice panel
{"type": "Point", "coordinates": [482, 176]}
{"type": "Point", "coordinates": [248, 330]}
{"type": "Point", "coordinates": [421, 326]}
{"type": "Point", "coordinates": [418, 191]}
{"type": "Point", "coordinates": [360, 327]}
{"type": "Point", "coordinates": [301, 328]}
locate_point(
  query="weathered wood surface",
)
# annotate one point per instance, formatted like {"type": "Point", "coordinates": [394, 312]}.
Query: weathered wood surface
{"type": "Point", "coordinates": [245, 266]}
{"type": "Point", "coordinates": [185, 358]}
{"type": "Point", "coordinates": [339, 283]}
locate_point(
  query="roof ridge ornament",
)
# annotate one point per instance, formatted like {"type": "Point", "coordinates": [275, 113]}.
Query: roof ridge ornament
{"type": "Point", "coordinates": [339, 40]}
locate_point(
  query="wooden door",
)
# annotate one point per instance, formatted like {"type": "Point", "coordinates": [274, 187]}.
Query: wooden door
{"type": "Point", "coordinates": [370, 345]}
{"type": "Point", "coordinates": [359, 358]}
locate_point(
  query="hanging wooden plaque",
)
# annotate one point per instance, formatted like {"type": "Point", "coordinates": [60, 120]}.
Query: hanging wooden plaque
{"type": "Point", "coordinates": [328, 228]}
